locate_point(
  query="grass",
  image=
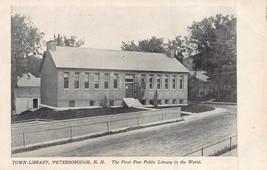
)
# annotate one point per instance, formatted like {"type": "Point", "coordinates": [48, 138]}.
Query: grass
{"type": "Point", "coordinates": [46, 113]}
{"type": "Point", "coordinates": [197, 108]}
{"type": "Point", "coordinates": [226, 149]}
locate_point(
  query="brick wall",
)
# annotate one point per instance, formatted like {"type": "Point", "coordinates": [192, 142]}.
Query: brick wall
{"type": "Point", "coordinates": [82, 96]}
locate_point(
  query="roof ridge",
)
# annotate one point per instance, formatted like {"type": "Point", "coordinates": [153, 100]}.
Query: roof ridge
{"type": "Point", "coordinates": [85, 48]}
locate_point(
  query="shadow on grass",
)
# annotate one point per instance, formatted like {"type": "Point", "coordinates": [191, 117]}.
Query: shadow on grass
{"type": "Point", "coordinates": [49, 114]}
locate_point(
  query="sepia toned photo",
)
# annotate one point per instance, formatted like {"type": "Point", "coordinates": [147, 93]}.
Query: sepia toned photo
{"type": "Point", "coordinates": [100, 81]}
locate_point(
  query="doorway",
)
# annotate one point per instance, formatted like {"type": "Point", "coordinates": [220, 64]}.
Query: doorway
{"type": "Point", "coordinates": [129, 86]}
{"type": "Point", "coordinates": [35, 103]}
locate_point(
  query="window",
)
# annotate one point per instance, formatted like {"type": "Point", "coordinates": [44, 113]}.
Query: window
{"type": "Point", "coordinates": [166, 101]}
{"type": "Point", "coordinates": [129, 78]}
{"type": "Point", "coordinates": [151, 102]}
{"type": "Point", "coordinates": [158, 82]}
{"type": "Point", "coordinates": [92, 103]}
{"type": "Point", "coordinates": [151, 82]}
{"type": "Point", "coordinates": [173, 82]}
{"type": "Point", "coordinates": [159, 102]}
{"type": "Point", "coordinates": [106, 81]}
{"type": "Point", "coordinates": [166, 82]}
{"type": "Point", "coordinates": [115, 81]}
{"type": "Point", "coordinates": [143, 81]}
{"type": "Point", "coordinates": [181, 82]}
{"type": "Point", "coordinates": [71, 103]}
{"type": "Point", "coordinates": [86, 80]}
{"type": "Point", "coordinates": [76, 80]}
{"type": "Point", "coordinates": [173, 101]}
{"type": "Point", "coordinates": [97, 75]}
{"type": "Point", "coordinates": [181, 101]}
{"type": "Point", "coordinates": [66, 80]}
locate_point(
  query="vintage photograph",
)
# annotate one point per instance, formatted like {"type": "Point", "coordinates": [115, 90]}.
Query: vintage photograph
{"type": "Point", "coordinates": [124, 81]}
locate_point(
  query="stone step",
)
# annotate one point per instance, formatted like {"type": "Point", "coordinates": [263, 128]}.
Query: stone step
{"type": "Point", "coordinates": [131, 102]}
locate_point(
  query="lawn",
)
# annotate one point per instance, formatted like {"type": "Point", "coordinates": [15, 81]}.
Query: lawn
{"type": "Point", "coordinates": [46, 113]}
{"type": "Point", "coordinates": [197, 108]}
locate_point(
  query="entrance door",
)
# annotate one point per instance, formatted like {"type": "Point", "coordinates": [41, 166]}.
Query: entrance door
{"type": "Point", "coordinates": [35, 103]}
{"type": "Point", "coordinates": [129, 90]}
{"type": "Point", "coordinates": [129, 86]}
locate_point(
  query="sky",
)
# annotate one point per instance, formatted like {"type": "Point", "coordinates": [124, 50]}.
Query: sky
{"type": "Point", "coordinates": [106, 26]}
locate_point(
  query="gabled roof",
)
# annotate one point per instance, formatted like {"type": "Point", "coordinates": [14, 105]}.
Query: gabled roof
{"type": "Point", "coordinates": [69, 57]}
{"type": "Point", "coordinates": [28, 80]}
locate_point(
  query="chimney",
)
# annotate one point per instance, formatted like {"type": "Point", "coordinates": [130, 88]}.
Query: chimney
{"type": "Point", "coordinates": [171, 53]}
{"type": "Point", "coordinates": [51, 45]}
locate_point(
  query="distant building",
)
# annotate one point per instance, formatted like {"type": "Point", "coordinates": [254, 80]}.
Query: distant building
{"type": "Point", "coordinates": [202, 87]}
{"type": "Point", "coordinates": [27, 93]}
{"type": "Point", "coordinates": [82, 77]}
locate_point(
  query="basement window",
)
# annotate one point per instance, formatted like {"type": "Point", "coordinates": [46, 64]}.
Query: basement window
{"type": "Point", "coordinates": [92, 103]}
{"type": "Point", "coordinates": [166, 101]}
{"type": "Point", "coordinates": [71, 103]}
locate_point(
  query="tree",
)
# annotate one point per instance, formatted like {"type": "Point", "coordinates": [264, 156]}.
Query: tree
{"type": "Point", "coordinates": [181, 47]}
{"type": "Point", "coordinates": [214, 41]}
{"type": "Point", "coordinates": [154, 44]}
{"type": "Point", "coordinates": [131, 46]}
{"type": "Point", "coordinates": [140, 90]}
{"type": "Point", "coordinates": [69, 42]}
{"type": "Point", "coordinates": [104, 103]}
{"type": "Point", "coordinates": [156, 98]}
{"type": "Point", "coordinates": [34, 64]}
{"type": "Point", "coordinates": [26, 41]}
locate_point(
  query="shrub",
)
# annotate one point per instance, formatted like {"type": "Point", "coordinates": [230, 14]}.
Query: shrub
{"type": "Point", "coordinates": [104, 103]}
{"type": "Point", "coordinates": [156, 98]}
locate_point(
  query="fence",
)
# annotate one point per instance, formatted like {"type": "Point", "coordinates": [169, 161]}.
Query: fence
{"type": "Point", "coordinates": [23, 136]}
{"type": "Point", "coordinates": [216, 149]}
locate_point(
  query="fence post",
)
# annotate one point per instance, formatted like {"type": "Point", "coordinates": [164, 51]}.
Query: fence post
{"type": "Point", "coordinates": [230, 144]}
{"type": "Point", "coordinates": [138, 121]}
{"type": "Point", "coordinates": [70, 132]}
{"type": "Point", "coordinates": [162, 117]}
{"type": "Point", "coordinates": [107, 126]}
{"type": "Point", "coordinates": [202, 152]}
{"type": "Point", "coordinates": [23, 139]}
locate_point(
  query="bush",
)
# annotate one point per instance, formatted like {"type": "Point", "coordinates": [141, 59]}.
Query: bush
{"type": "Point", "coordinates": [156, 98]}
{"type": "Point", "coordinates": [104, 103]}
